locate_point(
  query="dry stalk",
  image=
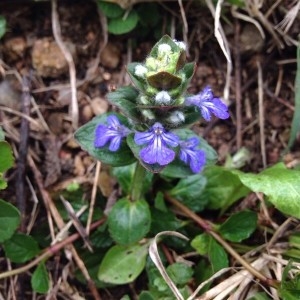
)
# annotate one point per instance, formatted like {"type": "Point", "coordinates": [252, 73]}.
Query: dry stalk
{"type": "Point", "coordinates": [70, 61]}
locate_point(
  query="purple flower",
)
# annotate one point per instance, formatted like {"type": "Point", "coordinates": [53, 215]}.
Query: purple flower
{"type": "Point", "coordinates": [157, 140]}
{"type": "Point", "coordinates": [192, 156]}
{"type": "Point", "coordinates": [111, 133]}
{"type": "Point", "coordinates": [209, 104]}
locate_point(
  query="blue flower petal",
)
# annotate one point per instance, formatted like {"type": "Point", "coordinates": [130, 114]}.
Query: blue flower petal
{"type": "Point", "coordinates": [170, 139]}
{"type": "Point", "coordinates": [208, 104]}
{"type": "Point", "coordinates": [101, 136]}
{"type": "Point", "coordinates": [111, 133]}
{"type": "Point", "coordinates": [115, 143]}
{"type": "Point", "coordinates": [192, 156]}
{"type": "Point", "coordinates": [113, 121]}
{"type": "Point", "coordinates": [141, 138]}
{"type": "Point", "coordinates": [220, 109]}
{"type": "Point", "coordinates": [157, 140]}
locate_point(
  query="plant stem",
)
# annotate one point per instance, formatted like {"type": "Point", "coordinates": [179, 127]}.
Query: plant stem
{"type": "Point", "coordinates": [209, 229]}
{"type": "Point", "coordinates": [137, 184]}
{"type": "Point", "coordinates": [47, 253]}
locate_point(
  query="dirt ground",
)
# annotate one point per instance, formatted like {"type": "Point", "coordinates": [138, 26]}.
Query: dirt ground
{"type": "Point", "coordinates": [261, 93]}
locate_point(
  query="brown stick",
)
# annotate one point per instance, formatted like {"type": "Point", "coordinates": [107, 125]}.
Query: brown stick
{"type": "Point", "coordinates": [48, 252]}
{"type": "Point", "coordinates": [23, 150]}
{"type": "Point", "coordinates": [206, 226]}
{"type": "Point", "coordinates": [60, 223]}
{"type": "Point", "coordinates": [237, 72]}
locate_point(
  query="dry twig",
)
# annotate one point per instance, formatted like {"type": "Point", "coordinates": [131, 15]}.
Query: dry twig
{"type": "Point", "coordinates": [69, 59]}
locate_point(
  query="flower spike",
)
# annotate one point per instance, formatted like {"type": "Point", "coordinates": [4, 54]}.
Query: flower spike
{"type": "Point", "coordinates": [192, 156]}
{"type": "Point", "coordinates": [209, 104]}
{"type": "Point", "coordinates": [157, 140]}
{"type": "Point", "coordinates": [111, 133]}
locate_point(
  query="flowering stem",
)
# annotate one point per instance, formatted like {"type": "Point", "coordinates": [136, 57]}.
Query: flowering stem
{"type": "Point", "coordinates": [205, 225]}
{"type": "Point", "coordinates": [137, 184]}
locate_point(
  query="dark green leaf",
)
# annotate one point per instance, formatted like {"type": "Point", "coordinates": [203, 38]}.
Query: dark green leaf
{"type": "Point", "coordinates": [9, 220]}
{"type": "Point", "coordinates": [123, 24]}
{"type": "Point", "coordinates": [85, 136]}
{"type": "Point", "coordinates": [129, 222]}
{"type": "Point", "coordinates": [6, 156]}
{"type": "Point", "coordinates": [217, 255]}
{"type": "Point", "coordinates": [21, 248]}
{"type": "Point", "coordinates": [146, 13]}
{"type": "Point", "coordinates": [281, 185]}
{"type": "Point", "coordinates": [146, 295]}
{"type": "Point", "coordinates": [289, 294]}
{"type": "Point", "coordinates": [2, 26]}
{"type": "Point", "coordinates": [125, 99]}
{"type": "Point", "coordinates": [188, 191]}
{"type": "Point", "coordinates": [110, 10]}
{"type": "Point", "coordinates": [180, 273]}
{"type": "Point", "coordinates": [163, 220]}
{"type": "Point", "coordinates": [239, 226]}
{"type": "Point", "coordinates": [40, 279]}
{"type": "Point", "coordinates": [188, 70]}
{"type": "Point", "coordinates": [123, 264]}
{"type": "Point", "coordinates": [295, 129]}
{"type": "Point", "coordinates": [223, 188]}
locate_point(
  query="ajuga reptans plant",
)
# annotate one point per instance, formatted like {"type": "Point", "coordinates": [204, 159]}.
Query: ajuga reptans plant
{"type": "Point", "coordinates": [155, 113]}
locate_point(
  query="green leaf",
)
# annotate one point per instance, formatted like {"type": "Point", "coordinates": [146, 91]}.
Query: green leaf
{"type": "Point", "coordinates": [21, 248]}
{"type": "Point", "coordinates": [165, 40]}
{"type": "Point", "coordinates": [217, 255]}
{"type": "Point", "coordinates": [85, 136]}
{"type": "Point", "coordinates": [179, 169]}
{"type": "Point", "coordinates": [188, 70]}
{"type": "Point", "coordinates": [9, 220]}
{"type": "Point", "coordinates": [146, 295]}
{"type": "Point", "coordinates": [123, 264]}
{"type": "Point", "coordinates": [223, 188]}
{"type": "Point", "coordinates": [164, 80]}
{"type": "Point", "coordinates": [281, 185]}
{"type": "Point", "coordinates": [2, 26]}
{"type": "Point", "coordinates": [163, 220]}
{"type": "Point", "coordinates": [180, 273]}
{"type": "Point", "coordinates": [6, 156]}
{"type": "Point", "coordinates": [136, 80]}
{"type": "Point", "coordinates": [125, 176]}
{"type": "Point", "coordinates": [295, 129]}
{"type": "Point", "coordinates": [188, 191]}
{"type": "Point", "coordinates": [129, 222]}
{"type": "Point", "coordinates": [110, 10]}
{"type": "Point", "coordinates": [123, 24]}
{"type": "Point", "coordinates": [239, 226]}
{"type": "Point", "coordinates": [40, 279]}
{"type": "Point", "coordinates": [201, 243]}
{"type": "Point", "coordinates": [125, 99]}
